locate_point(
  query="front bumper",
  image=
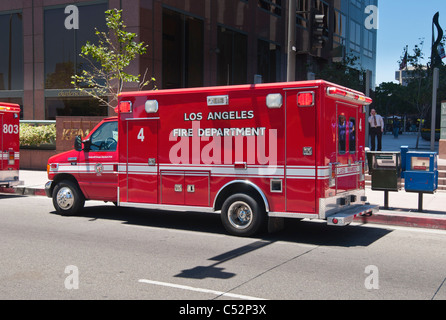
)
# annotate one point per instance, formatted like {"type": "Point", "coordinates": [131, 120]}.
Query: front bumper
{"type": "Point", "coordinates": [49, 189]}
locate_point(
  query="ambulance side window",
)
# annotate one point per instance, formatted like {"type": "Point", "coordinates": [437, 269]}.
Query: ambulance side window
{"type": "Point", "coordinates": [105, 138]}
{"type": "Point", "coordinates": [342, 132]}
{"type": "Point", "coordinates": [352, 135]}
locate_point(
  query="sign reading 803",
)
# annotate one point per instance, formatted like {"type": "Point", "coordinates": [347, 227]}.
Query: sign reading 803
{"type": "Point", "coordinates": [10, 129]}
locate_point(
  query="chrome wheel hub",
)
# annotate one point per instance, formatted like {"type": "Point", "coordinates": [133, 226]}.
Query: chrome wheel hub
{"type": "Point", "coordinates": [65, 198]}
{"type": "Point", "coordinates": [240, 215]}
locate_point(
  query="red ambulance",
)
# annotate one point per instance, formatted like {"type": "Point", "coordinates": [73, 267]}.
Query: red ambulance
{"type": "Point", "coordinates": [9, 144]}
{"type": "Point", "coordinates": [253, 153]}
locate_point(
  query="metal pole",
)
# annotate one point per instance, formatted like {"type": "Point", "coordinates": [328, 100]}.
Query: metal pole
{"type": "Point", "coordinates": [386, 200]}
{"type": "Point", "coordinates": [291, 72]}
{"type": "Point", "coordinates": [434, 107]}
{"type": "Point", "coordinates": [420, 202]}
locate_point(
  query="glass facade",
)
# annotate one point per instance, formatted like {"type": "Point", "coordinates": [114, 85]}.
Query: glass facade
{"type": "Point", "coordinates": [191, 44]}
{"type": "Point", "coordinates": [268, 61]}
{"type": "Point", "coordinates": [62, 47]}
{"type": "Point", "coordinates": [11, 53]}
{"type": "Point", "coordinates": [182, 50]}
{"type": "Point", "coordinates": [79, 106]}
{"type": "Point", "coordinates": [232, 57]}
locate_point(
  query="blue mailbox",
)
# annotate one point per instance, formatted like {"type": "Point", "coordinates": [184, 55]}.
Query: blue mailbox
{"type": "Point", "coordinates": [421, 173]}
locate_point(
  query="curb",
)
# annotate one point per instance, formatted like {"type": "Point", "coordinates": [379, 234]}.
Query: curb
{"type": "Point", "coordinates": [405, 220]}
{"type": "Point", "coordinates": [24, 191]}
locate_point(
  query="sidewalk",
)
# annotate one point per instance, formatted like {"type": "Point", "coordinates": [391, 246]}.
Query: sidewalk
{"type": "Point", "coordinates": [403, 206]}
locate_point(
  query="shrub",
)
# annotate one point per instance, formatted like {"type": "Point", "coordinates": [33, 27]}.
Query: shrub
{"type": "Point", "coordinates": [31, 135]}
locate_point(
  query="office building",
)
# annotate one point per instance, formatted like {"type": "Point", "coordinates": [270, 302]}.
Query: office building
{"type": "Point", "coordinates": [191, 43]}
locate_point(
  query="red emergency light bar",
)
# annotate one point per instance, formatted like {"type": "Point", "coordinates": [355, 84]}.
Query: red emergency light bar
{"type": "Point", "coordinates": [305, 99]}
{"type": "Point", "coordinates": [9, 107]}
{"type": "Point", "coordinates": [124, 107]}
{"type": "Point", "coordinates": [347, 95]}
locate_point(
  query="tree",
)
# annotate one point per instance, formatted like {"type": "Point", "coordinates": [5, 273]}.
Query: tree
{"type": "Point", "coordinates": [346, 72]}
{"type": "Point", "coordinates": [104, 76]}
{"type": "Point", "coordinates": [419, 88]}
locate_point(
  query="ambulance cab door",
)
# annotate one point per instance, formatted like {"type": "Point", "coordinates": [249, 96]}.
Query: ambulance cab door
{"type": "Point", "coordinates": [301, 126]}
{"type": "Point", "coordinates": [348, 169]}
{"type": "Point", "coordinates": [98, 164]}
{"type": "Point", "coordinates": [142, 161]}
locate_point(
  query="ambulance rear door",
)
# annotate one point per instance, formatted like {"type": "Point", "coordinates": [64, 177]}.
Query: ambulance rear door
{"type": "Point", "coordinates": [348, 167]}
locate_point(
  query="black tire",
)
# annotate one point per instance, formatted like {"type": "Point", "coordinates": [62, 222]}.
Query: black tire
{"type": "Point", "coordinates": [68, 199]}
{"type": "Point", "coordinates": [243, 216]}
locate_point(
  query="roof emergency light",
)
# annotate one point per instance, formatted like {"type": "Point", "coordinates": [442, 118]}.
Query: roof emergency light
{"type": "Point", "coordinates": [305, 99]}
{"type": "Point", "coordinates": [347, 95]}
{"type": "Point", "coordinates": [124, 107]}
{"type": "Point", "coordinates": [9, 108]}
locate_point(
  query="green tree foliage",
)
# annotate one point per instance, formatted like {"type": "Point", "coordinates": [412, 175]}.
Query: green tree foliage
{"type": "Point", "coordinates": [346, 73]}
{"type": "Point", "coordinates": [105, 75]}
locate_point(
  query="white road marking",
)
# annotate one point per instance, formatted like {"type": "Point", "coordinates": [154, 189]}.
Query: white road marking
{"type": "Point", "coordinates": [217, 293]}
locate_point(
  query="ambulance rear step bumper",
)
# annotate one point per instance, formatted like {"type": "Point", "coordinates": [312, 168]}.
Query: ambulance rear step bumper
{"type": "Point", "coordinates": [345, 217]}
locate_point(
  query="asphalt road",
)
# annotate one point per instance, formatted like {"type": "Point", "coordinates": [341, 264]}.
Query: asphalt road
{"type": "Point", "coordinates": [109, 253]}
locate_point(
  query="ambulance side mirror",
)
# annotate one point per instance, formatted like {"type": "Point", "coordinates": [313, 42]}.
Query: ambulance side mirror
{"type": "Point", "coordinates": [78, 143]}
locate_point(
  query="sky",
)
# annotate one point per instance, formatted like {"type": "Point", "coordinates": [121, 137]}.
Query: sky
{"type": "Point", "coordinates": [402, 23]}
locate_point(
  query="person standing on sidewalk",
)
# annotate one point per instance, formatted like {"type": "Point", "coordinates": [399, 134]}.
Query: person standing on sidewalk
{"type": "Point", "coordinates": [376, 129]}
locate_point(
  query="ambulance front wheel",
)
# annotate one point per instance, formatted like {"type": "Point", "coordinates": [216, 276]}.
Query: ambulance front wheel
{"type": "Point", "coordinates": [68, 198]}
{"type": "Point", "coordinates": [242, 215]}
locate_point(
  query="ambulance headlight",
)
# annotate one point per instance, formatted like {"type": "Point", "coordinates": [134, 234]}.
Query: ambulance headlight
{"type": "Point", "coordinates": [151, 106]}
{"type": "Point", "coordinates": [274, 100]}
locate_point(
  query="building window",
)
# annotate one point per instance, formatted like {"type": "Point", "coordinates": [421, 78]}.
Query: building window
{"type": "Point", "coordinates": [63, 46]}
{"type": "Point", "coordinates": [357, 3]}
{"type": "Point", "coordinates": [79, 106]}
{"type": "Point", "coordinates": [11, 52]}
{"type": "Point", "coordinates": [183, 47]}
{"type": "Point", "coordinates": [340, 24]}
{"type": "Point", "coordinates": [355, 36]}
{"type": "Point", "coordinates": [302, 13]}
{"type": "Point", "coordinates": [272, 6]}
{"type": "Point", "coordinates": [368, 43]}
{"type": "Point", "coordinates": [232, 57]}
{"type": "Point", "coordinates": [268, 60]}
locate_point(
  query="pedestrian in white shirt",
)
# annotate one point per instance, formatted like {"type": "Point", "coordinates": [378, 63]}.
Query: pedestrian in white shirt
{"type": "Point", "coordinates": [376, 129]}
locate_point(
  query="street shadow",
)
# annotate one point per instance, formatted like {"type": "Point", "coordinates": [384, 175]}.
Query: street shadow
{"type": "Point", "coordinates": [295, 231]}
{"type": "Point", "coordinates": [212, 271]}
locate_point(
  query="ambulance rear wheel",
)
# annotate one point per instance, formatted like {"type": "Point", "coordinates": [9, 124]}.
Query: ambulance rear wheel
{"type": "Point", "coordinates": [68, 198]}
{"type": "Point", "coordinates": [241, 215]}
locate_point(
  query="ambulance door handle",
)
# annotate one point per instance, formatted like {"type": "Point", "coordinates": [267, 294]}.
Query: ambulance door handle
{"type": "Point", "coordinates": [152, 162]}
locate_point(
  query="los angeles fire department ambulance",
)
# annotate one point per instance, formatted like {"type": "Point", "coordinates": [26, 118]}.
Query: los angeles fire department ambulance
{"type": "Point", "coordinates": [254, 153]}
{"type": "Point", "coordinates": [9, 144]}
